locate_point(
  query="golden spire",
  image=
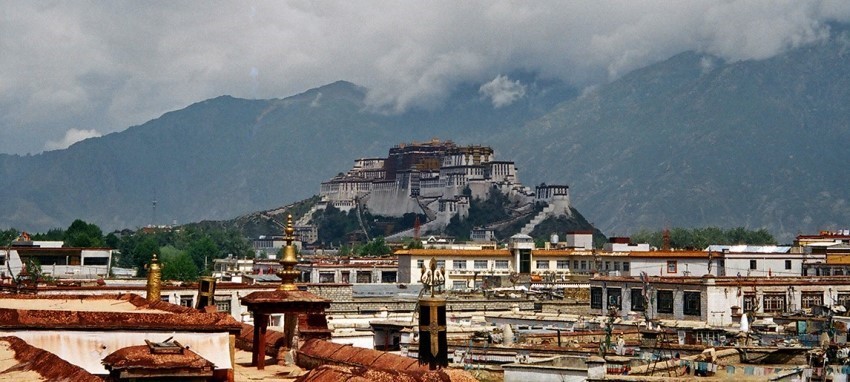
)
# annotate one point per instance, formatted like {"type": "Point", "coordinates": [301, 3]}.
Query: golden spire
{"type": "Point", "coordinates": [288, 274]}
{"type": "Point", "coordinates": [154, 286]}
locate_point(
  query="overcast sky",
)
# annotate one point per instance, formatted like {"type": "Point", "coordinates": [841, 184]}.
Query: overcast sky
{"type": "Point", "coordinates": [72, 70]}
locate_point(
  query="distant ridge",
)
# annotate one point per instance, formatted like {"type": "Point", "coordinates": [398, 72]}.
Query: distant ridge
{"type": "Point", "coordinates": [692, 141]}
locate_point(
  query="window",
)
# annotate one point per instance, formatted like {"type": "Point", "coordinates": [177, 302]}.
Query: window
{"type": "Point", "coordinates": [616, 265]}
{"type": "Point", "coordinates": [672, 266]}
{"type": "Point", "coordinates": [595, 298]}
{"type": "Point", "coordinates": [753, 264]}
{"type": "Point", "coordinates": [664, 299]}
{"type": "Point", "coordinates": [326, 277]}
{"type": "Point", "coordinates": [583, 264]}
{"type": "Point", "coordinates": [420, 264]}
{"type": "Point", "coordinates": [187, 301]}
{"type": "Point", "coordinates": [542, 264]}
{"type": "Point", "coordinates": [458, 285]}
{"type": "Point", "coordinates": [389, 276]}
{"type": "Point", "coordinates": [811, 299]}
{"type": "Point", "coordinates": [625, 266]}
{"type": "Point", "coordinates": [501, 264]}
{"type": "Point", "coordinates": [364, 277]}
{"type": "Point", "coordinates": [562, 264]}
{"type": "Point", "coordinates": [95, 260]}
{"type": "Point", "coordinates": [615, 298]}
{"type": "Point", "coordinates": [774, 302]}
{"type": "Point", "coordinates": [480, 264]}
{"type": "Point", "coordinates": [787, 264]}
{"type": "Point", "coordinates": [441, 264]}
{"type": "Point", "coordinates": [638, 301]}
{"type": "Point", "coordinates": [750, 303]}
{"type": "Point", "coordinates": [607, 265]}
{"type": "Point", "coordinates": [843, 299]}
{"type": "Point", "coordinates": [459, 264]}
{"type": "Point", "coordinates": [345, 277]}
{"type": "Point", "coordinates": [222, 304]}
{"type": "Point", "coordinates": [691, 303]}
{"type": "Point", "coordinates": [575, 264]}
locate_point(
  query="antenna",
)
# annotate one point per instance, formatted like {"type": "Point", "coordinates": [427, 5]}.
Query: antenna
{"type": "Point", "coordinates": [153, 218]}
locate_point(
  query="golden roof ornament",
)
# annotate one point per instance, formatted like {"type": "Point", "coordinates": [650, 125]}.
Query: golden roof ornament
{"type": "Point", "coordinates": [154, 285]}
{"type": "Point", "coordinates": [287, 273]}
{"type": "Point", "coordinates": [433, 278]}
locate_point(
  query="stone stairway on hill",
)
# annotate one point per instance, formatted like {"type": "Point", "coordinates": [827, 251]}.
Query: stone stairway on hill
{"type": "Point", "coordinates": [547, 211]}
{"type": "Point", "coordinates": [304, 220]}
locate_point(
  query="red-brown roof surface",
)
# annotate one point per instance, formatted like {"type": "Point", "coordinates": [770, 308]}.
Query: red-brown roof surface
{"type": "Point", "coordinates": [274, 340]}
{"type": "Point", "coordinates": [173, 317]}
{"type": "Point", "coordinates": [140, 357]}
{"type": "Point", "coordinates": [336, 373]}
{"type": "Point", "coordinates": [47, 364]}
{"type": "Point", "coordinates": [319, 352]}
{"type": "Point", "coordinates": [277, 296]}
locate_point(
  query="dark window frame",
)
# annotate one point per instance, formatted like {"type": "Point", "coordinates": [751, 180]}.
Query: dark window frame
{"type": "Point", "coordinates": [663, 303]}
{"type": "Point", "coordinates": [638, 301]}
{"type": "Point", "coordinates": [692, 303]}
{"type": "Point", "coordinates": [595, 298]}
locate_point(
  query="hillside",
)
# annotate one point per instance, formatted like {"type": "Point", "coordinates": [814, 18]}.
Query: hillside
{"type": "Point", "coordinates": [691, 141]}
{"type": "Point", "coordinates": [225, 157]}
{"type": "Point", "coordinates": [694, 141]}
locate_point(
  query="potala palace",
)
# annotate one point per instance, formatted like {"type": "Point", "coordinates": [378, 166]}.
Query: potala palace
{"type": "Point", "coordinates": [436, 179]}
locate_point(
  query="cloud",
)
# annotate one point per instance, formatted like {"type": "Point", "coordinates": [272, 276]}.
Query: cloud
{"type": "Point", "coordinates": [71, 136]}
{"type": "Point", "coordinates": [113, 64]}
{"type": "Point", "coordinates": [502, 91]}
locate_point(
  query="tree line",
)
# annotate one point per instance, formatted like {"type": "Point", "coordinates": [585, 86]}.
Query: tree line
{"type": "Point", "coordinates": [700, 238]}
{"type": "Point", "coordinates": [185, 252]}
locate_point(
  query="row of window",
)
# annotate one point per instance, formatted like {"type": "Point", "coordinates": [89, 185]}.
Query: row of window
{"type": "Point", "coordinates": [222, 304]}
{"type": "Point", "coordinates": [664, 300]}
{"type": "Point", "coordinates": [770, 302]}
{"type": "Point", "coordinates": [464, 264]}
{"type": "Point", "coordinates": [541, 264]}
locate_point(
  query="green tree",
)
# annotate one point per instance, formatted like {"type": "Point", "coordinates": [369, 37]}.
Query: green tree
{"type": "Point", "coordinates": [700, 238]}
{"type": "Point", "coordinates": [8, 236]}
{"type": "Point", "coordinates": [177, 265]}
{"type": "Point", "coordinates": [202, 252]}
{"type": "Point", "coordinates": [135, 251]}
{"type": "Point", "coordinates": [53, 234]}
{"type": "Point", "coordinates": [83, 235]}
{"type": "Point", "coordinates": [376, 247]}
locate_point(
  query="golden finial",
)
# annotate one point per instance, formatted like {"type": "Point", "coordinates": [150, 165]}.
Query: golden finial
{"type": "Point", "coordinates": [154, 285]}
{"type": "Point", "coordinates": [288, 274]}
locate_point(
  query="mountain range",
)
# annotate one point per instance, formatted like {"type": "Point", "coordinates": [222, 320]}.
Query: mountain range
{"type": "Point", "coordinates": [691, 141]}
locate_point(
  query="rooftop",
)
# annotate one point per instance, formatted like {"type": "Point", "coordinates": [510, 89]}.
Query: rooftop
{"type": "Point", "coordinates": [20, 361]}
{"type": "Point", "coordinates": [124, 311]}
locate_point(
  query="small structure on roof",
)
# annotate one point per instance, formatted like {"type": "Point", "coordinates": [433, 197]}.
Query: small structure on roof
{"type": "Point", "coordinates": [160, 360]}
{"type": "Point", "coordinates": [302, 310]}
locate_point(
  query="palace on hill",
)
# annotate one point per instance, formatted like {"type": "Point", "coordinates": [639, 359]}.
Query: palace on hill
{"type": "Point", "coordinates": [436, 179]}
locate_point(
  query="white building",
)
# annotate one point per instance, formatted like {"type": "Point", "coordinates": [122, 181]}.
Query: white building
{"type": "Point", "coordinates": [719, 301]}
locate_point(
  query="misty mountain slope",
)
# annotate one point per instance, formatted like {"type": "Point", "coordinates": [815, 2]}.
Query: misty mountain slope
{"type": "Point", "coordinates": [223, 157]}
{"type": "Point", "coordinates": [694, 141]}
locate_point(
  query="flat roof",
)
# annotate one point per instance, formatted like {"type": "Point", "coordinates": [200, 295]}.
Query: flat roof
{"type": "Point", "coordinates": [106, 312]}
